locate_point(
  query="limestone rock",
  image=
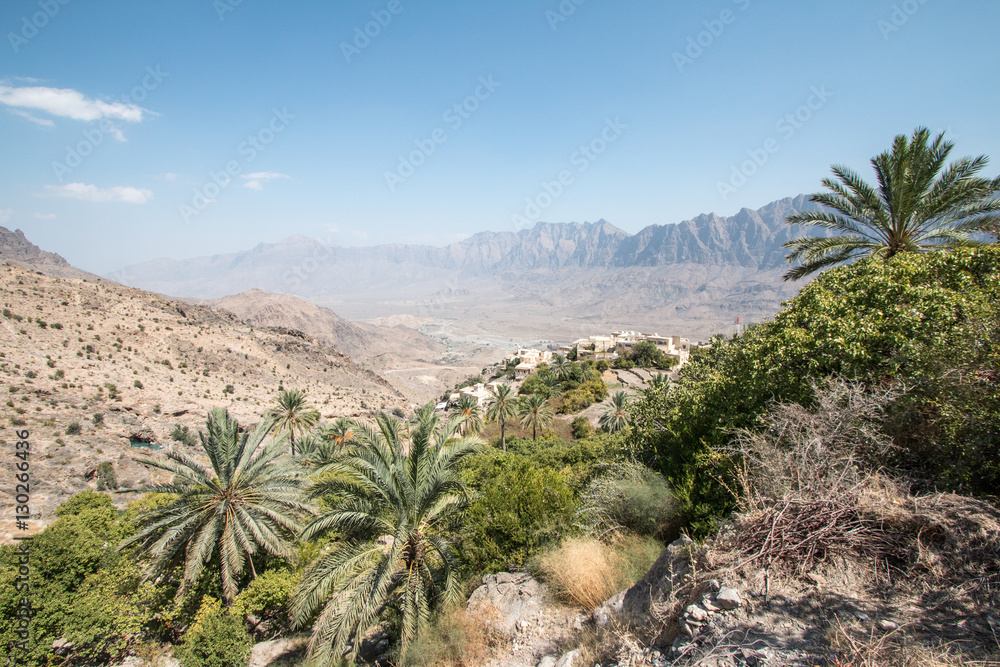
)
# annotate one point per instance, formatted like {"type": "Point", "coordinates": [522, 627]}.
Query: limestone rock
{"type": "Point", "coordinates": [667, 573]}
{"type": "Point", "coordinates": [608, 609]}
{"type": "Point", "coordinates": [571, 659]}
{"type": "Point", "coordinates": [729, 598]}
{"type": "Point", "coordinates": [513, 597]}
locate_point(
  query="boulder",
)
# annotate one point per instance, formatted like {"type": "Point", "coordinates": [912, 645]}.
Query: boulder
{"type": "Point", "coordinates": [512, 597]}
{"type": "Point", "coordinates": [668, 573]}
{"type": "Point", "coordinates": [609, 609]}
{"type": "Point", "coordinates": [729, 598]}
{"type": "Point", "coordinates": [570, 659]}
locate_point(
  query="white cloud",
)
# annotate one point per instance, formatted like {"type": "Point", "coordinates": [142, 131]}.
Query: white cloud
{"type": "Point", "coordinates": [115, 132]}
{"type": "Point", "coordinates": [256, 180]}
{"type": "Point", "coordinates": [44, 122]}
{"type": "Point", "coordinates": [45, 216]}
{"type": "Point", "coordinates": [169, 176]}
{"type": "Point", "coordinates": [92, 193]}
{"type": "Point", "coordinates": [68, 103]}
{"type": "Point", "coordinates": [5, 215]}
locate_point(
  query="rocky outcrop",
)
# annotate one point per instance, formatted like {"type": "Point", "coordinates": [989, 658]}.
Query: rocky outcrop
{"type": "Point", "coordinates": [660, 583]}
{"type": "Point", "coordinates": [513, 598]}
{"type": "Point", "coordinates": [14, 247]}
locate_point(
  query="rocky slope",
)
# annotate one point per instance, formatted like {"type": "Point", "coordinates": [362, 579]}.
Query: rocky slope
{"type": "Point", "coordinates": [75, 348]}
{"type": "Point", "coordinates": [360, 341]}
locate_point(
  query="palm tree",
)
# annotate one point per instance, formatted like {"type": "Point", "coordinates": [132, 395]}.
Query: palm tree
{"type": "Point", "coordinates": [536, 413]}
{"type": "Point", "coordinates": [560, 367]}
{"type": "Point", "coordinates": [249, 503]}
{"type": "Point", "coordinates": [341, 431]}
{"type": "Point", "coordinates": [393, 504]}
{"type": "Point", "coordinates": [659, 381]}
{"type": "Point", "coordinates": [615, 418]}
{"type": "Point", "coordinates": [470, 414]}
{"type": "Point", "coordinates": [502, 408]}
{"type": "Point", "coordinates": [291, 413]}
{"type": "Point", "coordinates": [329, 439]}
{"type": "Point", "coordinates": [917, 206]}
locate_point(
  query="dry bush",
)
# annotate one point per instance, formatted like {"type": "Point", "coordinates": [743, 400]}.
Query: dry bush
{"type": "Point", "coordinates": [458, 638]}
{"type": "Point", "coordinates": [810, 494]}
{"type": "Point", "coordinates": [805, 482]}
{"type": "Point", "coordinates": [583, 571]}
{"type": "Point", "coordinates": [817, 452]}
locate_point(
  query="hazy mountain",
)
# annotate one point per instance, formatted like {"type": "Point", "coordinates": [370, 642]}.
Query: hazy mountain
{"type": "Point", "coordinates": [553, 280]}
{"type": "Point", "coordinates": [301, 265]}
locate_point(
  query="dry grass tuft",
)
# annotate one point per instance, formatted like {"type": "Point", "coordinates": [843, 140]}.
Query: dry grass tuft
{"type": "Point", "coordinates": [583, 571]}
{"type": "Point", "coordinates": [458, 638]}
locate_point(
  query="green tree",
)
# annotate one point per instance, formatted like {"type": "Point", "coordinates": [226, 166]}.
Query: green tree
{"type": "Point", "coordinates": [535, 413]}
{"type": "Point", "coordinates": [291, 413]}
{"type": "Point", "coordinates": [394, 501]}
{"type": "Point", "coordinates": [250, 502]}
{"type": "Point", "coordinates": [615, 417]}
{"type": "Point", "coordinates": [924, 321]}
{"type": "Point", "coordinates": [470, 414]}
{"type": "Point", "coordinates": [917, 207]}
{"type": "Point", "coordinates": [218, 640]}
{"type": "Point", "coordinates": [501, 409]}
{"type": "Point", "coordinates": [536, 384]}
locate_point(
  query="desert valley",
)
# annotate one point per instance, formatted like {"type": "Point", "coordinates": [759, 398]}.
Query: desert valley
{"type": "Point", "coordinates": [540, 333]}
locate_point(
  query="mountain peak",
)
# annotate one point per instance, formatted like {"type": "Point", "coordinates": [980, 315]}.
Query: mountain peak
{"type": "Point", "coordinates": [14, 247]}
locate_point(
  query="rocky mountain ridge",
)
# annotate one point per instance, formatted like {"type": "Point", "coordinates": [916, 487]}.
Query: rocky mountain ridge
{"type": "Point", "coordinates": [303, 266]}
{"type": "Point", "coordinates": [14, 247]}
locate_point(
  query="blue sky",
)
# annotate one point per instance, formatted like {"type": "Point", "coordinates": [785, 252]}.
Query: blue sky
{"type": "Point", "coordinates": [115, 115]}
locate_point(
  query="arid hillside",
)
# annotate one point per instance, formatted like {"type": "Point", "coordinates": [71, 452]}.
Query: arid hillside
{"type": "Point", "coordinates": [127, 367]}
{"type": "Point", "coordinates": [420, 358]}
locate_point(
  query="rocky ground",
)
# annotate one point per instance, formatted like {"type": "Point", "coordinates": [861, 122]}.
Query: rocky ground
{"type": "Point", "coordinates": [929, 600]}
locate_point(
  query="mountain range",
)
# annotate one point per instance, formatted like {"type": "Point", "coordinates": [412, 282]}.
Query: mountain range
{"type": "Point", "coordinates": [552, 280]}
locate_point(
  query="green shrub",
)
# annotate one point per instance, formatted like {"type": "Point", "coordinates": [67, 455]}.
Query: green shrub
{"type": "Point", "coordinates": [182, 435]}
{"type": "Point", "coordinates": [518, 508]}
{"type": "Point", "coordinates": [266, 600]}
{"type": "Point", "coordinates": [219, 640]}
{"type": "Point", "coordinates": [574, 401]}
{"type": "Point", "coordinates": [629, 497]}
{"type": "Point", "coordinates": [928, 322]}
{"type": "Point", "coordinates": [83, 589]}
{"type": "Point", "coordinates": [74, 428]}
{"type": "Point", "coordinates": [535, 384]}
{"type": "Point", "coordinates": [98, 419]}
{"type": "Point", "coordinates": [582, 428]}
{"type": "Point", "coordinates": [106, 476]}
